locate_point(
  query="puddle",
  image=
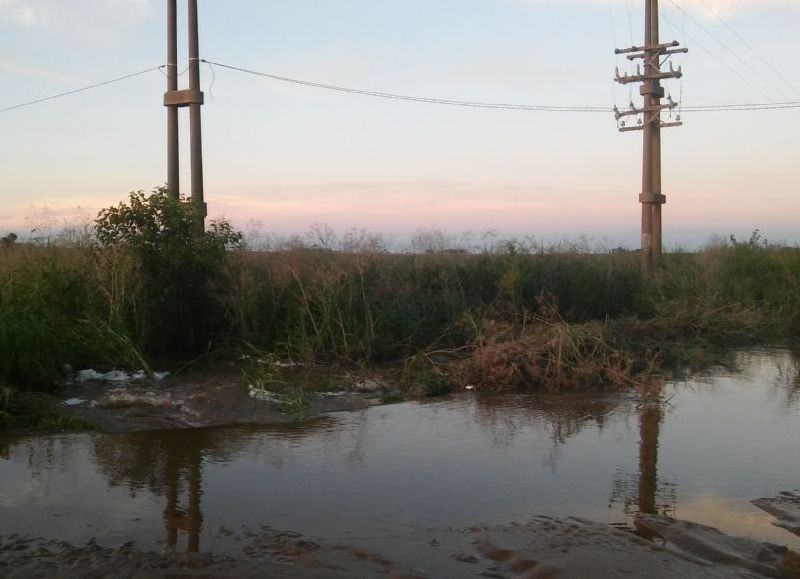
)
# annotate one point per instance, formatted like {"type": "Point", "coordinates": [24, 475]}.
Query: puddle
{"type": "Point", "coordinates": [423, 483]}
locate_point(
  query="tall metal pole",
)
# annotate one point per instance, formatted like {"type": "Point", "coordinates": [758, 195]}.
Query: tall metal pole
{"type": "Point", "coordinates": [195, 138]}
{"type": "Point", "coordinates": [651, 124]}
{"type": "Point", "coordinates": [173, 159]}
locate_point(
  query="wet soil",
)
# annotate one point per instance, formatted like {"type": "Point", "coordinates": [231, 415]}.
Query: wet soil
{"type": "Point", "coordinates": [543, 548]}
{"type": "Point", "coordinates": [785, 508]}
{"type": "Point", "coordinates": [203, 398]}
{"type": "Point", "coordinates": [268, 553]}
{"type": "Point", "coordinates": [577, 548]}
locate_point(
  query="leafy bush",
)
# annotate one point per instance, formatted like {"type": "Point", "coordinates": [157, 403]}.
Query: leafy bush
{"type": "Point", "coordinates": [177, 309]}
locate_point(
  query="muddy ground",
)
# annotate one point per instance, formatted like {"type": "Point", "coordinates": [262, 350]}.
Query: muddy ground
{"type": "Point", "coordinates": [543, 548]}
{"type": "Point", "coordinates": [202, 398]}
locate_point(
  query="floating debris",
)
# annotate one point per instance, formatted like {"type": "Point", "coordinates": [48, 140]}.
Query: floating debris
{"type": "Point", "coordinates": [118, 376]}
{"type": "Point", "coordinates": [74, 401]}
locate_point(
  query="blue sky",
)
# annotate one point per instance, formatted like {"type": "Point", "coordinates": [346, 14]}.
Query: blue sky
{"type": "Point", "coordinates": [290, 156]}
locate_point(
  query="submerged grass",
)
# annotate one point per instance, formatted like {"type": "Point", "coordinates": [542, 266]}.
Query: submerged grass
{"type": "Point", "coordinates": [492, 320]}
{"type": "Point", "coordinates": [36, 411]}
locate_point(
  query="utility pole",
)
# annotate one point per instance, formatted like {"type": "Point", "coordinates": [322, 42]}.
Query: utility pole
{"type": "Point", "coordinates": [195, 137]}
{"type": "Point", "coordinates": [192, 98]}
{"type": "Point", "coordinates": [173, 159]}
{"type": "Point", "coordinates": [650, 124]}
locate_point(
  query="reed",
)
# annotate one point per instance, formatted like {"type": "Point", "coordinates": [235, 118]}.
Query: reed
{"type": "Point", "coordinates": [143, 285]}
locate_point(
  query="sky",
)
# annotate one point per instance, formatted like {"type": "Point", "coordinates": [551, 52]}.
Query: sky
{"type": "Point", "coordinates": [281, 157]}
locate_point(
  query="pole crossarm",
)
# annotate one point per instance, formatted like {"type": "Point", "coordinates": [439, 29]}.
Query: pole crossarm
{"type": "Point", "coordinates": [645, 55]}
{"type": "Point", "coordinates": [650, 75]}
{"type": "Point", "coordinates": [662, 124]}
{"type": "Point", "coordinates": [646, 48]}
{"type": "Point", "coordinates": [647, 52]}
{"type": "Point", "coordinates": [645, 77]}
{"type": "Point", "coordinates": [638, 111]}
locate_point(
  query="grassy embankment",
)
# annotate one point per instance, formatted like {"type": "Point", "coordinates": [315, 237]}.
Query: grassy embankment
{"type": "Point", "coordinates": [494, 320]}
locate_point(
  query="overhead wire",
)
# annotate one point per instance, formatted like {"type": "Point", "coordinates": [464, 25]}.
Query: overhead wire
{"type": "Point", "coordinates": [695, 42]}
{"type": "Point", "coordinates": [628, 11]}
{"type": "Point", "coordinates": [430, 100]}
{"type": "Point", "coordinates": [82, 89]}
{"type": "Point", "coordinates": [749, 46]}
{"type": "Point", "coordinates": [479, 104]}
{"type": "Point", "coordinates": [725, 46]}
{"type": "Point", "coordinates": [735, 107]}
{"type": "Point", "coordinates": [614, 43]}
{"type": "Point", "coordinates": [756, 106]}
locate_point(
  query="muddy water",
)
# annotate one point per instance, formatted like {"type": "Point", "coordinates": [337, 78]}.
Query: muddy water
{"type": "Point", "coordinates": [406, 478]}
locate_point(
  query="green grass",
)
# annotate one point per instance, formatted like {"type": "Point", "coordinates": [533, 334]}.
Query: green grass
{"type": "Point", "coordinates": [90, 305]}
{"type": "Point", "coordinates": [34, 411]}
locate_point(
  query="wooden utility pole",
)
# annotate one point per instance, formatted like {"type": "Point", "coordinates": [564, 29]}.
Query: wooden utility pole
{"type": "Point", "coordinates": [650, 124]}
{"type": "Point", "coordinates": [192, 98]}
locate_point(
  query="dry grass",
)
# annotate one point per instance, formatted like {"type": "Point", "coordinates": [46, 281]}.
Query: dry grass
{"type": "Point", "coordinates": [552, 355]}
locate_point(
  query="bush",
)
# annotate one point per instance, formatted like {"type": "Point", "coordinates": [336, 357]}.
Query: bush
{"type": "Point", "coordinates": [176, 308]}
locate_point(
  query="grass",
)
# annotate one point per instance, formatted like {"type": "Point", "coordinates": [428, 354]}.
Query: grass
{"type": "Point", "coordinates": [34, 411]}
{"type": "Point", "coordinates": [494, 320]}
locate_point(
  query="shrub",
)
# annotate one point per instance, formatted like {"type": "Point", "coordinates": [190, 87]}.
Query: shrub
{"type": "Point", "coordinates": [176, 309]}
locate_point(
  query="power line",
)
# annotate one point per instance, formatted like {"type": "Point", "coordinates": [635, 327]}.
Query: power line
{"type": "Point", "coordinates": [750, 107]}
{"type": "Point", "coordinates": [522, 107]}
{"type": "Point", "coordinates": [719, 59]}
{"type": "Point", "coordinates": [430, 100]}
{"type": "Point", "coordinates": [749, 46]}
{"type": "Point", "coordinates": [82, 89]}
{"type": "Point", "coordinates": [730, 50]}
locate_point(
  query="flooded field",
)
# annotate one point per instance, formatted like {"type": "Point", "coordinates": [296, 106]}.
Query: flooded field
{"type": "Point", "coordinates": [417, 482]}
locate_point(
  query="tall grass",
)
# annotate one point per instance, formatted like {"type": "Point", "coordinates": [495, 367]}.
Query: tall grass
{"type": "Point", "coordinates": [536, 318]}
{"type": "Point", "coordinates": [371, 307]}
{"type": "Point", "coordinates": [548, 320]}
{"type": "Point", "coordinates": [53, 314]}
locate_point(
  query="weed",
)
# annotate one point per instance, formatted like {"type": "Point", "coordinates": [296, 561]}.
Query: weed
{"type": "Point", "coordinates": [514, 316]}
{"type": "Point", "coordinates": [293, 403]}
{"type": "Point", "coordinates": [261, 370]}
{"type": "Point", "coordinates": [32, 410]}
{"type": "Point", "coordinates": [552, 355]}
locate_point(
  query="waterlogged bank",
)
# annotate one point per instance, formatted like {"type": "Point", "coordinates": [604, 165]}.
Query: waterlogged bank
{"type": "Point", "coordinates": [222, 396]}
{"type": "Point", "coordinates": [441, 488]}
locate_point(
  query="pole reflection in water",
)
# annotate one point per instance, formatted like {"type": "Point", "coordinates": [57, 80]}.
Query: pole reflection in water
{"type": "Point", "coordinates": [649, 422]}
{"type": "Point", "coordinates": [170, 465]}
{"type": "Point", "coordinates": [647, 489]}
{"type": "Point", "coordinates": [642, 492]}
{"type": "Point", "coordinates": [190, 519]}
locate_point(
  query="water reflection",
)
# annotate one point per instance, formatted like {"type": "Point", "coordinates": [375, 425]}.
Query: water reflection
{"type": "Point", "coordinates": [565, 415]}
{"type": "Point", "coordinates": [189, 519]}
{"type": "Point", "coordinates": [171, 464]}
{"type": "Point", "coordinates": [504, 418]}
{"type": "Point", "coordinates": [413, 467]}
{"type": "Point", "coordinates": [649, 421]}
{"type": "Point", "coordinates": [642, 492]}
{"type": "Point", "coordinates": [5, 447]}
{"type": "Point", "coordinates": [787, 381]}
